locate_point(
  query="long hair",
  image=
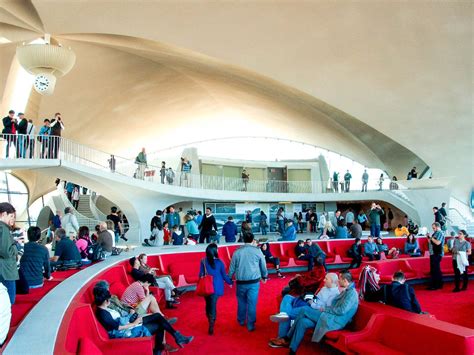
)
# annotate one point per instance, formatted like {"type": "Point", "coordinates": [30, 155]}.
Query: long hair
{"type": "Point", "coordinates": [367, 281]}
{"type": "Point", "coordinates": [211, 254]}
{"type": "Point", "coordinates": [83, 233]}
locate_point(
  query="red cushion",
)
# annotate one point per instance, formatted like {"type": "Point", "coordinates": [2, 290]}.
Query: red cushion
{"type": "Point", "coordinates": [87, 347]}
{"type": "Point", "coordinates": [371, 347]}
{"type": "Point", "coordinates": [117, 288]}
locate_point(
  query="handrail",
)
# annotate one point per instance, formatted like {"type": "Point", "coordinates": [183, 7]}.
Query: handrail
{"type": "Point", "coordinates": [95, 211]}
{"type": "Point", "coordinates": [53, 147]}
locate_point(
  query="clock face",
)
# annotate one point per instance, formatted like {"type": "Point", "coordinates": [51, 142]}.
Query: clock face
{"type": "Point", "coordinates": [41, 83]}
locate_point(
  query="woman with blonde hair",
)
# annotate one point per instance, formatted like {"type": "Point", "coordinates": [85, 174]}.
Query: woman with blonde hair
{"type": "Point", "coordinates": [329, 229]}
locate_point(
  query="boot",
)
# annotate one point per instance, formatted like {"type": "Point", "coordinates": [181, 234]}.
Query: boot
{"type": "Point", "coordinates": [211, 327]}
{"type": "Point", "coordinates": [181, 340]}
{"type": "Point", "coordinates": [170, 305]}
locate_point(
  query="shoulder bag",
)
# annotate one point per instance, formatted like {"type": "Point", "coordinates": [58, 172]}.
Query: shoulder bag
{"type": "Point", "coordinates": [205, 285]}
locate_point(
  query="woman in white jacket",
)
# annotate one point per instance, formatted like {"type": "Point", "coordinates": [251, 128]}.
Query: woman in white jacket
{"type": "Point", "coordinates": [461, 249]}
{"type": "Point", "coordinates": [5, 313]}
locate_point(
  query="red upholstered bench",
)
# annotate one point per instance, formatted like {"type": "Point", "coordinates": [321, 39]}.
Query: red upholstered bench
{"type": "Point", "coordinates": [288, 250]}
{"type": "Point", "coordinates": [401, 334]}
{"type": "Point", "coordinates": [387, 268]}
{"type": "Point", "coordinates": [85, 335]}
{"type": "Point", "coordinates": [185, 269]}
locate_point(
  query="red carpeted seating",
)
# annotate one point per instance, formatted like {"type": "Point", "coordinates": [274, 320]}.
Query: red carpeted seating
{"type": "Point", "coordinates": [277, 252]}
{"type": "Point", "coordinates": [387, 268]}
{"type": "Point", "coordinates": [183, 270]}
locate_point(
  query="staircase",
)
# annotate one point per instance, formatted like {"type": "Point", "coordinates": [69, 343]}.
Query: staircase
{"type": "Point", "coordinates": [60, 202]}
{"type": "Point", "coordinates": [84, 207]}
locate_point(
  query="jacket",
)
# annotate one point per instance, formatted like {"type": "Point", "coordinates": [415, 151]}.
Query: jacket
{"type": "Point", "coordinates": [192, 227]}
{"type": "Point", "coordinates": [290, 233]}
{"type": "Point", "coordinates": [8, 254]}
{"type": "Point", "coordinates": [370, 248]}
{"type": "Point", "coordinates": [402, 296]}
{"type": "Point", "coordinates": [218, 274]}
{"type": "Point", "coordinates": [208, 223]}
{"type": "Point", "coordinates": [105, 240]}
{"type": "Point", "coordinates": [248, 264]}
{"type": "Point", "coordinates": [35, 263]}
{"type": "Point", "coordinates": [374, 216]}
{"type": "Point", "coordinates": [70, 224]}
{"type": "Point", "coordinates": [315, 250]}
{"type": "Point", "coordinates": [172, 219]}
{"type": "Point", "coordinates": [8, 124]}
{"type": "Point", "coordinates": [229, 231]}
{"type": "Point", "coordinates": [344, 307]}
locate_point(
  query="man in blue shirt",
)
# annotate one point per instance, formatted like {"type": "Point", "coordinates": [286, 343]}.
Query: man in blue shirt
{"type": "Point", "coordinates": [370, 249]}
{"type": "Point", "coordinates": [290, 232]}
{"type": "Point", "coordinates": [436, 248]}
{"type": "Point", "coordinates": [172, 218]}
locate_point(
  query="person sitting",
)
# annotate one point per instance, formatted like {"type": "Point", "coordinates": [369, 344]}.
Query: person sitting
{"type": "Point", "coordinates": [383, 248]}
{"type": "Point", "coordinates": [289, 233]}
{"type": "Point", "coordinates": [355, 252]}
{"type": "Point", "coordinates": [177, 236]}
{"type": "Point", "coordinates": [269, 258]}
{"type": "Point", "coordinates": [401, 231]}
{"type": "Point", "coordinates": [370, 249]}
{"type": "Point", "coordinates": [301, 253]}
{"type": "Point", "coordinates": [334, 317]}
{"type": "Point", "coordinates": [341, 230]}
{"type": "Point", "coordinates": [131, 326]}
{"type": "Point", "coordinates": [5, 313]}
{"type": "Point", "coordinates": [66, 252]}
{"type": "Point", "coordinates": [83, 243]}
{"type": "Point", "coordinates": [137, 295]}
{"type": "Point", "coordinates": [290, 305]}
{"type": "Point", "coordinates": [229, 230]}
{"type": "Point", "coordinates": [34, 263]}
{"type": "Point", "coordinates": [192, 227]}
{"type": "Point", "coordinates": [369, 288]}
{"type": "Point", "coordinates": [316, 252]}
{"type": "Point", "coordinates": [401, 295]}
{"type": "Point", "coordinates": [105, 239]}
{"type": "Point", "coordinates": [329, 230]}
{"type": "Point", "coordinates": [412, 247]}
{"type": "Point", "coordinates": [355, 231]}
{"type": "Point", "coordinates": [140, 267]}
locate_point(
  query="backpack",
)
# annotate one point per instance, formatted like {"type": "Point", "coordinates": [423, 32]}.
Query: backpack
{"type": "Point", "coordinates": [95, 252]}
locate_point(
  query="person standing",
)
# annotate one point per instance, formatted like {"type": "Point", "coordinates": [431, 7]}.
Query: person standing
{"type": "Point", "coordinates": [10, 128]}
{"type": "Point", "coordinates": [245, 179]}
{"type": "Point", "coordinates": [172, 218]}
{"type": "Point", "coordinates": [163, 172]}
{"type": "Point", "coordinates": [362, 219]}
{"type": "Point", "coordinates": [390, 218]}
{"type": "Point", "coordinates": [69, 190]}
{"type": "Point", "coordinates": [141, 162]}
{"type": "Point", "coordinates": [182, 222]}
{"type": "Point", "coordinates": [8, 250]}
{"type": "Point", "coordinates": [186, 172]}
{"type": "Point", "coordinates": [31, 131]}
{"type": "Point", "coordinates": [263, 224]}
{"type": "Point", "coordinates": [212, 265]}
{"type": "Point", "coordinates": [22, 138]}
{"type": "Point", "coordinates": [118, 228]}
{"type": "Point", "coordinates": [44, 139]}
{"type": "Point", "coordinates": [349, 218]}
{"type": "Point", "coordinates": [69, 223]}
{"type": "Point", "coordinates": [249, 266]}
{"type": "Point", "coordinates": [208, 226]}
{"type": "Point", "coordinates": [438, 217]}
{"type": "Point", "coordinates": [56, 127]}
{"type": "Point", "coordinates": [280, 219]}
{"type": "Point", "coordinates": [156, 228]}
{"type": "Point", "coordinates": [414, 173]}
{"type": "Point", "coordinates": [75, 197]}
{"type": "Point", "coordinates": [461, 250]}
{"type": "Point", "coordinates": [436, 248]}
{"type": "Point", "coordinates": [381, 180]}
{"type": "Point", "coordinates": [375, 213]}
{"type": "Point", "coordinates": [335, 181]}
{"type": "Point", "coordinates": [365, 180]}
{"type": "Point", "coordinates": [229, 230]}
{"type": "Point", "coordinates": [347, 181]}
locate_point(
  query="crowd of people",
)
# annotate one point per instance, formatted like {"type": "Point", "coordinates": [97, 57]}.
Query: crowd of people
{"type": "Point", "coordinates": [20, 135]}
{"type": "Point", "coordinates": [335, 184]}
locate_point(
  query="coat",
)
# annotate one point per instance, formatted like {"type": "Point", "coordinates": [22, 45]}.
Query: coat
{"type": "Point", "coordinates": [8, 254]}
{"type": "Point", "coordinates": [344, 307]}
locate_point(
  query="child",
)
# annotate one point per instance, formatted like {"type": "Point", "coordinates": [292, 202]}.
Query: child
{"type": "Point", "coordinates": [177, 237]}
{"type": "Point", "coordinates": [167, 234]}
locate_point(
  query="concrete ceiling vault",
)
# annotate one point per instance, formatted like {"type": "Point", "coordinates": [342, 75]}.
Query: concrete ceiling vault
{"type": "Point", "coordinates": [386, 83]}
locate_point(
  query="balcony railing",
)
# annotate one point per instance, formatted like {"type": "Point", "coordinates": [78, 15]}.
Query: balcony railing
{"type": "Point", "coordinates": [16, 146]}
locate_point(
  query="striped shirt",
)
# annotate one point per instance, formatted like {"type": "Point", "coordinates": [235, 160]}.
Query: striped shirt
{"type": "Point", "coordinates": [134, 294]}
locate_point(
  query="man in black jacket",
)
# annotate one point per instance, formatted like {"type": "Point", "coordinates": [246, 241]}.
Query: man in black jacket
{"type": "Point", "coordinates": [22, 139]}
{"type": "Point", "coordinates": [316, 252]}
{"type": "Point", "coordinates": [355, 252]}
{"type": "Point", "coordinates": [401, 295]}
{"type": "Point", "coordinates": [9, 127]}
{"type": "Point", "coordinates": [57, 126]}
{"type": "Point", "coordinates": [207, 227]}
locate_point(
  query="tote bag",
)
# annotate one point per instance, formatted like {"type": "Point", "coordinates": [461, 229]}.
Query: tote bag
{"type": "Point", "coordinates": [205, 285]}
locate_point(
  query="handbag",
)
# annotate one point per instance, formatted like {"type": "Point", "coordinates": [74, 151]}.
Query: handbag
{"type": "Point", "coordinates": [205, 285]}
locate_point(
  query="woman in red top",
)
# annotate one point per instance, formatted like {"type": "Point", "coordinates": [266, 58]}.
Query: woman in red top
{"type": "Point", "coordinates": [167, 234]}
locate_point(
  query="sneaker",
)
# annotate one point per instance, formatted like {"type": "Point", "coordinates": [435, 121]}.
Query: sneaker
{"type": "Point", "coordinates": [278, 343]}
{"type": "Point", "coordinates": [123, 237]}
{"type": "Point", "coordinates": [280, 317]}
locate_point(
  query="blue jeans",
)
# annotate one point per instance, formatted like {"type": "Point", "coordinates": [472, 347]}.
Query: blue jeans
{"type": "Point", "coordinates": [287, 306]}
{"type": "Point", "coordinates": [281, 226]}
{"type": "Point", "coordinates": [11, 289]}
{"type": "Point", "coordinates": [306, 319]}
{"type": "Point", "coordinates": [375, 230]}
{"type": "Point", "coordinates": [247, 296]}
